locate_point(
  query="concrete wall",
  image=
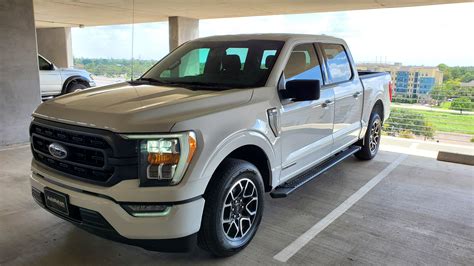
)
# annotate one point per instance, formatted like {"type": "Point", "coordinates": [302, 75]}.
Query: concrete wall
{"type": "Point", "coordinates": [181, 30]}
{"type": "Point", "coordinates": [19, 78]}
{"type": "Point", "coordinates": [56, 45]}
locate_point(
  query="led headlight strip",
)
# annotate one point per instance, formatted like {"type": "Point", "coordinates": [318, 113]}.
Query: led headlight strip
{"type": "Point", "coordinates": [164, 158]}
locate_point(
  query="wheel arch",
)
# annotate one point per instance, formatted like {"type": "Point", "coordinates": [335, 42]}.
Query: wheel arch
{"type": "Point", "coordinates": [378, 105]}
{"type": "Point", "coordinates": [72, 79]}
{"type": "Point", "coordinates": [256, 149]}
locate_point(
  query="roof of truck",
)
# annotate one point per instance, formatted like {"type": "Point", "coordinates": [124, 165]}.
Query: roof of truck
{"type": "Point", "coordinates": [271, 36]}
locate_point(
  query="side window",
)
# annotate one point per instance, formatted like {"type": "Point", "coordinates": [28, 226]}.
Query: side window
{"type": "Point", "coordinates": [303, 63]}
{"type": "Point", "coordinates": [43, 65]}
{"type": "Point", "coordinates": [337, 61]}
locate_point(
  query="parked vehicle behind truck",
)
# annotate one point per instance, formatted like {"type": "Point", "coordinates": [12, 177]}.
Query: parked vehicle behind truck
{"type": "Point", "coordinates": [185, 153]}
{"type": "Point", "coordinates": [56, 81]}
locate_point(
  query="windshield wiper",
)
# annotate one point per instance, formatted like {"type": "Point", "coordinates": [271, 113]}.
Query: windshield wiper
{"type": "Point", "coordinates": [206, 86]}
{"type": "Point", "coordinates": [152, 80]}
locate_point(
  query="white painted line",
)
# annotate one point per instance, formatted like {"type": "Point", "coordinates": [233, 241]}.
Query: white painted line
{"type": "Point", "coordinates": [302, 240]}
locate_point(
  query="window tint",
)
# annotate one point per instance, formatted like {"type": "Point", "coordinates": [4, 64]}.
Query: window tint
{"type": "Point", "coordinates": [217, 64]}
{"type": "Point", "coordinates": [43, 65]}
{"type": "Point", "coordinates": [240, 52]}
{"type": "Point", "coordinates": [268, 59]}
{"type": "Point", "coordinates": [191, 64]}
{"type": "Point", "coordinates": [303, 63]}
{"type": "Point", "coordinates": [337, 61]}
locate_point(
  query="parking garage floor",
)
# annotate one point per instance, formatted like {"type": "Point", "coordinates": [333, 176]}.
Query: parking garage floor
{"type": "Point", "coordinates": [420, 212]}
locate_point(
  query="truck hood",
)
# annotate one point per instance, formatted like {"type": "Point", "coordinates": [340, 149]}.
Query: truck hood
{"type": "Point", "coordinates": [126, 108]}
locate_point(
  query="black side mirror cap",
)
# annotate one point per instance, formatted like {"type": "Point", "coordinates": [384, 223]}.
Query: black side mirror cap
{"type": "Point", "coordinates": [303, 89]}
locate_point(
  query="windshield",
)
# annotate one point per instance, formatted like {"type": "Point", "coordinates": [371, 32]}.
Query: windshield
{"type": "Point", "coordinates": [217, 64]}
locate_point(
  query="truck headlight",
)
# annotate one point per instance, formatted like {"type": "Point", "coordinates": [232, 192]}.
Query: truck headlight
{"type": "Point", "coordinates": [164, 158]}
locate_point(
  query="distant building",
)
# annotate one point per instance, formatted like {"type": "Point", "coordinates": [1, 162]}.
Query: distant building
{"type": "Point", "coordinates": [409, 80]}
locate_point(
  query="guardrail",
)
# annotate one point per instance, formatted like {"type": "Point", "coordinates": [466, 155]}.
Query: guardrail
{"type": "Point", "coordinates": [441, 115]}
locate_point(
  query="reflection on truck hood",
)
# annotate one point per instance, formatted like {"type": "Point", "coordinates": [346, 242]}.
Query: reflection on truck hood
{"type": "Point", "coordinates": [133, 109]}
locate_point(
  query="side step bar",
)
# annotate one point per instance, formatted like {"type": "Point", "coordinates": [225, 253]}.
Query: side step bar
{"type": "Point", "coordinates": [291, 185]}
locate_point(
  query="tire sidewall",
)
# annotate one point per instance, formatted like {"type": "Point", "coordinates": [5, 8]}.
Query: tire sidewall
{"type": "Point", "coordinates": [220, 236]}
{"type": "Point", "coordinates": [375, 116]}
{"type": "Point", "coordinates": [75, 86]}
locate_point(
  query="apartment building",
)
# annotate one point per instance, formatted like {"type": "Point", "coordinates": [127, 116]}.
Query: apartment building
{"type": "Point", "coordinates": [408, 80]}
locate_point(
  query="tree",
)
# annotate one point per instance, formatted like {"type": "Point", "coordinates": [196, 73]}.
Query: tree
{"type": "Point", "coordinates": [462, 103]}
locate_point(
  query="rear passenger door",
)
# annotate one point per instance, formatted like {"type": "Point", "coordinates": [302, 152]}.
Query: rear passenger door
{"type": "Point", "coordinates": [348, 93]}
{"type": "Point", "coordinates": [306, 126]}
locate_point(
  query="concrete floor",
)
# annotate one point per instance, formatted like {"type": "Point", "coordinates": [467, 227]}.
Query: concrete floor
{"type": "Point", "coordinates": [421, 213]}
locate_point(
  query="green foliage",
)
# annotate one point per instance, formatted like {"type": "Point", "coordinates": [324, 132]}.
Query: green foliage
{"type": "Point", "coordinates": [404, 122]}
{"type": "Point", "coordinates": [462, 74]}
{"type": "Point", "coordinates": [403, 99]}
{"type": "Point", "coordinates": [445, 105]}
{"type": "Point", "coordinates": [462, 103]}
{"type": "Point", "coordinates": [114, 67]}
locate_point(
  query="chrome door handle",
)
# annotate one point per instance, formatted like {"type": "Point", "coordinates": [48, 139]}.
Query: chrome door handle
{"type": "Point", "coordinates": [357, 94]}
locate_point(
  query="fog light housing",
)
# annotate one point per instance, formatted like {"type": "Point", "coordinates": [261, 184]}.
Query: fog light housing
{"type": "Point", "coordinates": [147, 210]}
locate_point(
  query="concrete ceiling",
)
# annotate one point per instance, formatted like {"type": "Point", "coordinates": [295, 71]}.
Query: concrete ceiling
{"type": "Point", "coordinates": [72, 13]}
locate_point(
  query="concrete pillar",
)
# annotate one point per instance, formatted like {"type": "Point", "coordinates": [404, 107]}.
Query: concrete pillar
{"type": "Point", "coordinates": [19, 77]}
{"type": "Point", "coordinates": [182, 30]}
{"type": "Point", "coordinates": [56, 45]}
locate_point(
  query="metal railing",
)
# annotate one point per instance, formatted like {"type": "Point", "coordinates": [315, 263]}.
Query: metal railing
{"type": "Point", "coordinates": [442, 115]}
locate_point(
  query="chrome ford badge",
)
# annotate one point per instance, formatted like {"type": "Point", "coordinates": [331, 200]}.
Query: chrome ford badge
{"type": "Point", "coordinates": [57, 150]}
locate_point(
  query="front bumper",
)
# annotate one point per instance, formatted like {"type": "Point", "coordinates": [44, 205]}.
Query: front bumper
{"type": "Point", "coordinates": [92, 83]}
{"type": "Point", "coordinates": [177, 229]}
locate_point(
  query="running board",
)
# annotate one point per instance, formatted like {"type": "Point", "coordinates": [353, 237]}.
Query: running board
{"type": "Point", "coordinates": [291, 185]}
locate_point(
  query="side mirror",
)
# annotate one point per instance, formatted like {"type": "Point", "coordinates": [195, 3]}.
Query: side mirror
{"type": "Point", "coordinates": [51, 66]}
{"type": "Point", "coordinates": [303, 90]}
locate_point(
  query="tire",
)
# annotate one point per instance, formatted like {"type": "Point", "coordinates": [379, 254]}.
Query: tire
{"type": "Point", "coordinates": [75, 86]}
{"type": "Point", "coordinates": [372, 138]}
{"type": "Point", "coordinates": [219, 233]}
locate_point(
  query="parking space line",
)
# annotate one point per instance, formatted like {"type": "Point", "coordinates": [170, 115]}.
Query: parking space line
{"type": "Point", "coordinates": [288, 252]}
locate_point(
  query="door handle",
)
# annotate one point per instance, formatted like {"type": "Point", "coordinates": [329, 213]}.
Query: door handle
{"type": "Point", "coordinates": [357, 94]}
{"type": "Point", "coordinates": [326, 103]}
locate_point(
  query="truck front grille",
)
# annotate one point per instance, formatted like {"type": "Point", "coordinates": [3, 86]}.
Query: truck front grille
{"type": "Point", "coordinates": [91, 157]}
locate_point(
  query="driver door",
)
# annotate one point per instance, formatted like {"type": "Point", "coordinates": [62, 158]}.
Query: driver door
{"type": "Point", "coordinates": [50, 78]}
{"type": "Point", "coordinates": [306, 126]}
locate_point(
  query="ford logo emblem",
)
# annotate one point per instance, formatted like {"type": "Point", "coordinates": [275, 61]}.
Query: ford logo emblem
{"type": "Point", "coordinates": [57, 150]}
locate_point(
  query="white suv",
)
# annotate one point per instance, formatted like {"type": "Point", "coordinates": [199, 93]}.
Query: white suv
{"type": "Point", "coordinates": [56, 81]}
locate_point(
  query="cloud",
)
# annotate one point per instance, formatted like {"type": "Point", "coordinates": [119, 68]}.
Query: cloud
{"type": "Point", "coordinates": [426, 35]}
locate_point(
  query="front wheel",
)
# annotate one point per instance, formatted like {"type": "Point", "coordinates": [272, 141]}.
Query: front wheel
{"type": "Point", "coordinates": [74, 86]}
{"type": "Point", "coordinates": [233, 210]}
{"type": "Point", "coordinates": [371, 138]}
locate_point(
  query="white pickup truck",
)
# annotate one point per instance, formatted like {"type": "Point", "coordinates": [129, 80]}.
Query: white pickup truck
{"type": "Point", "coordinates": [185, 153]}
{"type": "Point", "coordinates": [56, 81]}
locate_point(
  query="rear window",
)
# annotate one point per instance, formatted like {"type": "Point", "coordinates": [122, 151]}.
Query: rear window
{"type": "Point", "coordinates": [339, 68]}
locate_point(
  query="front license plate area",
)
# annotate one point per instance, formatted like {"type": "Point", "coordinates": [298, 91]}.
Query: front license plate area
{"type": "Point", "coordinates": [56, 201]}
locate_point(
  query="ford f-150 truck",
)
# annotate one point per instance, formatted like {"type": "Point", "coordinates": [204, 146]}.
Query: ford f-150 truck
{"type": "Point", "coordinates": [185, 153]}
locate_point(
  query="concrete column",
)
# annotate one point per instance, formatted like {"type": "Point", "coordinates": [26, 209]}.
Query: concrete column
{"type": "Point", "coordinates": [182, 30]}
{"type": "Point", "coordinates": [19, 77]}
{"type": "Point", "coordinates": [56, 45]}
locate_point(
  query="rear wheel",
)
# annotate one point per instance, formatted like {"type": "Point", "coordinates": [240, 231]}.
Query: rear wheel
{"type": "Point", "coordinates": [233, 210]}
{"type": "Point", "coordinates": [372, 137]}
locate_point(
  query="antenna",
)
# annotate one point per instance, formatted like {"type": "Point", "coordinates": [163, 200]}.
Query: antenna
{"type": "Point", "coordinates": [133, 35]}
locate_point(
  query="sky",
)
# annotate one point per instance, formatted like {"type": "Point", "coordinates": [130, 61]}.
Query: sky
{"type": "Point", "coordinates": [427, 35]}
